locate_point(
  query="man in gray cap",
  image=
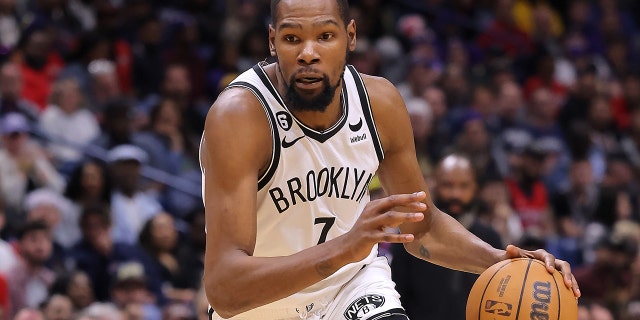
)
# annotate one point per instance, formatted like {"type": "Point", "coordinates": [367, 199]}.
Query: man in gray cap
{"type": "Point", "coordinates": [131, 207]}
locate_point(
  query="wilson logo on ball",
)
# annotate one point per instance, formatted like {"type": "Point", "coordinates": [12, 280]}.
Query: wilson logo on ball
{"type": "Point", "coordinates": [542, 297]}
{"type": "Point", "coordinates": [498, 308]}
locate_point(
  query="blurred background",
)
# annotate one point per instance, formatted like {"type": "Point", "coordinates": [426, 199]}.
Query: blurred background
{"type": "Point", "coordinates": [102, 105]}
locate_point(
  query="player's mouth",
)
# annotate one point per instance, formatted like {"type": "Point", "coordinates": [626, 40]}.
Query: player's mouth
{"type": "Point", "coordinates": [310, 82]}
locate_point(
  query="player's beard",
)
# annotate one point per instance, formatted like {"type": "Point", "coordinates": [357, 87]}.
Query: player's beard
{"type": "Point", "coordinates": [318, 102]}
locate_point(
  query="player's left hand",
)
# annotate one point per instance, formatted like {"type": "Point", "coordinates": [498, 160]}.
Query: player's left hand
{"type": "Point", "coordinates": [550, 261]}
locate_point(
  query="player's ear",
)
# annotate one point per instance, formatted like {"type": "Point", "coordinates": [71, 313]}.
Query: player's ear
{"type": "Point", "coordinates": [272, 38]}
{"type": "Point", "coordinates": [351, 33]}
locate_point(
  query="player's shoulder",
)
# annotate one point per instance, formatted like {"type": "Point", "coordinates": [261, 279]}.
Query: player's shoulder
{"type": "Point", "coordinates": [376, 83]}
{"type": "Point", "coordinates": [383, 95]}
{"type": "Point", "coordinates": [235, 104]}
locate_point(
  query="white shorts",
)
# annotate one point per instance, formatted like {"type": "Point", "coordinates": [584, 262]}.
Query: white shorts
{"type": "Point", "coordinates": [369, 295]}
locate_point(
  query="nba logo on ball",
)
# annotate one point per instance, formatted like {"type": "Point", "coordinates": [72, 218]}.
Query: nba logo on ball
{"type": "Point", "coordinates": [521, 289]}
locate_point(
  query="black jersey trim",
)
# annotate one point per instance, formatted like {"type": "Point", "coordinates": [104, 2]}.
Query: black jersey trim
{"type": "Point", "coordinates": [275, 146]}
{"type": "Point", "coordinates": [320, 136]}
{"type": "Point", "coordinates": [366, 111]}
{"type": "Point", "coordinates": [210, 311]}
{"type": "Point", "coordinates": [267, 82]}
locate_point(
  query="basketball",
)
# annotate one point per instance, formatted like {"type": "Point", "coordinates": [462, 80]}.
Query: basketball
{"type": "Point", "coordinates": [521, 289]}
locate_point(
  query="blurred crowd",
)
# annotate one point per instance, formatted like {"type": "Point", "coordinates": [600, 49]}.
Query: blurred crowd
{"type": "Point", "coordinates": [102, 104]}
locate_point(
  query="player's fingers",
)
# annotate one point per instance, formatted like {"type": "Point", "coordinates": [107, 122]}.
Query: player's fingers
{"type": "Point", "coordinates": [575, 287]}
{"type": "Point", "coordinates": [396, 238]}
{"type": "Point", "coordinates": [569, 280]}
{"type": "Point", "coordinates": [409, 201]}
{"type": "Point", "coordinates": [393, 219]}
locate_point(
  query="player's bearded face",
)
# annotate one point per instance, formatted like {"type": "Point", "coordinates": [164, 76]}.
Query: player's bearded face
{"type": "Point", "coordinates": [316, 100]}
{"type": "Point", "coordinates": [310, 102]}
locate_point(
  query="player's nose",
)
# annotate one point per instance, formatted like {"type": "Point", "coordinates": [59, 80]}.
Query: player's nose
{"type": "Point", "coordinates": [309, 53]}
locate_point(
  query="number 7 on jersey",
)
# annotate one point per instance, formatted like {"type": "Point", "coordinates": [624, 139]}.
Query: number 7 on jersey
{"type": "Point", "coordinates": [328, 223]}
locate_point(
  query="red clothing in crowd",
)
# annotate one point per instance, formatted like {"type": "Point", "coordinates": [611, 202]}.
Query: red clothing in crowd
{"type": "Point", "coordinates": [36, 84]}
{"type": "Point", "coordinates": [531, 208]}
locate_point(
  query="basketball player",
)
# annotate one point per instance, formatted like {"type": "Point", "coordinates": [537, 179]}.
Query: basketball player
{"type": "Point", "coordinates": [287, 154]}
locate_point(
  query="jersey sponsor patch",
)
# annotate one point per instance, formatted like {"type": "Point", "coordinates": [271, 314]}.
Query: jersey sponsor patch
{"type": "Point", "coordinates": [358, 138]}
{"type": "Point", "coordinates": [363, 305]}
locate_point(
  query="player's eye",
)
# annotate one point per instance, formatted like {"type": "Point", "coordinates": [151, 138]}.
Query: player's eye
{"type": "Point", "coordinates": [326, 36]}
{"type": "Point", "coordinates": [290, 38]}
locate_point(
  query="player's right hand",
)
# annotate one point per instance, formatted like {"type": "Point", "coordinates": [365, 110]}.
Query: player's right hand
{"type": "Point", "coordinates": [379, 216]}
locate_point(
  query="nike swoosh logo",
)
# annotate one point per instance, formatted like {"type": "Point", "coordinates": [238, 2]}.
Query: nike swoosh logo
{"type": "Point", "coordinates": [356, 127]}
{"type": "Point", "coordinates": [287, 144]}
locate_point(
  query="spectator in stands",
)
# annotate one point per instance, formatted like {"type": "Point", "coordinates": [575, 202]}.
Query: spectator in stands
{"type": "Point", "coordinates": [39, 62]}
{"type": "Point", "coordinates": [30, 280]}
{"type": "Point", "coordinates": [543, 77]}
{"type": "Point", "coordinates": [455, 192]}
{"type": "Point", "coordinates": [473, 140]}
{"type": "Point", "coordinates": [510, 108]}
{"type": "Point", "coordinates": [57, 307]}
{"type": "Point", "coordinates": [529, 196]}
{"type": "Point", "coordinates": [184, 47]}
{"type": "Point", "coordinates": [99, 255]}
{"type": "Point", "coordinates": [11, 90]}
{"type": "Point", "coordinates": [110, 22]}
{"type": "Point", "coordinates": [159, 238]}
{"type": "Point", "coordinates": [177, 86]}
{"type": "Point", "coordinates": [105, 86]}
{"type": "Point", "coordinates": [504, 33]}
{"type": "Point", "coordinates": [441, 133]}
{"type": "Point", "coordinates": [584, 91]}
{"type": "Point", "coordinates": [171, 150]}
{"type": "Point", "coordinates": [148, 64]}
{"type": "Point", "coordinates": [68, 124]}
{"type": "Point", "coordinates": [7, 251]}
{"type": "Point", "coordinates": [130, 292]}
{"type": "Point", "coordinates": [117, 125]}
{"type": "Point", "coordinates": [573, 210]}
{"type": "Point", "coordinates": [23, 167]}
{"type": "Point", "coordinates": [603, 131]}
{"type": "Point", "coordinates": [29, 314]}
{"type": "Point", "coordinates": [90, 46]}
{"type": "Point", "coordinates": [499, 212]}
{"type": "Point", "coordinates": [191, 249]}
{"type": "Point", "coordinates": [607, 280]}
{"type": "Point", "coordinates": [76, 286]}
{"type": "Point", "coordinates": [131, 207]}
{"type": "Point", "coordinates": [101, 311]}
{"type": "Point", "coordinates": [52, 208]}
{"type": "Point", "coordinates": [422, 124]}
{"type": "Point", "coordinates": [10, 33]}
{"type": "Point", "coordinates": [90, 183]}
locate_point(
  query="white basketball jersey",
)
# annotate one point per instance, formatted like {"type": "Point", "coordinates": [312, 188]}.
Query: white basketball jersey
{"type": "Point", "coordinates": [317, 182]}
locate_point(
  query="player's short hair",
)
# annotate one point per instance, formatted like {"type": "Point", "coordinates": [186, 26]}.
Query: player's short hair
{"type": "Point", "coordinates": [343, 9]}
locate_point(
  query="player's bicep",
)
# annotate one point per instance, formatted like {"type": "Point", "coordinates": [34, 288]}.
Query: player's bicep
{"type": "Point", "coordinates": [399, 171]}
{"type": "Point", "coordinates": [235, 145]}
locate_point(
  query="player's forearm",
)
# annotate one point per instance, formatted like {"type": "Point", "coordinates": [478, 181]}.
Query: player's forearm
{"type": "Point", "coordinates": [469, 253]}
{"type": "Point", "coordinates": [240, 282]}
